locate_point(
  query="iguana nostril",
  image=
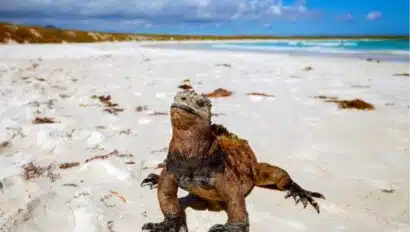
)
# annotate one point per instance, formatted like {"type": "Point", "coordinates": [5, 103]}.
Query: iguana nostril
{"type": "Point", "coordinates": [200, 103]}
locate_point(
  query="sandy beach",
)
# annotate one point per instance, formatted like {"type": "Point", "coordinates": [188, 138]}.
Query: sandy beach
{"type": "Point", "coordinates": [71, 160]}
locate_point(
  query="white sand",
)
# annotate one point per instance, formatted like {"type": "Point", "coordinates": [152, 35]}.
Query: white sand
{"type": "Point", "coordinates": [350, 156]}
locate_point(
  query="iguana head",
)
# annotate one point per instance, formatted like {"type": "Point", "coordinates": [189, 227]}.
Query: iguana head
{"type": "Point", "coordinates": [190, 109]}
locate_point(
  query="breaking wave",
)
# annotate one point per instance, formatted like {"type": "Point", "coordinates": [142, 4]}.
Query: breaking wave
{"type": "Point", "coordinates": [334, 46]}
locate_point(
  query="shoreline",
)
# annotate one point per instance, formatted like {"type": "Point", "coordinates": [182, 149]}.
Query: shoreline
{"type": "Point", "coordinates": [203, 46]}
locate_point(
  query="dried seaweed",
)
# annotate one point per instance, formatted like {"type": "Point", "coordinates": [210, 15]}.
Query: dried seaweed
{"type": "Point", "coordinates": [106, 101]}
{"type": "Point", "coordinates": [388, 190]}
{"type": "Point", "coordinates": [105, 199]}
{"type": "Point", "coordinates": [402, 74]}
{"type": "Point", "coordinates": [325, 97]}
{"type": "Point", "coordinates": [32, 171]}
{"type": "Point", "coordinates": [124, 155]}
{"type": "Point", "coordinates": [308, 68]}
{"type": "Point", "coordinates": [353, 104]}
{"type": "Point", "coordinates": [110, 226]}
{"type": "Point", "coordinates": [126, 132]}
{"type": "Point", "coordinates": [141, 108]}
{"type": "Point", "coordinates": [69, 165]}
{"type": "Point", "coordinates": [220, 92]}
{"type": "Point", "coordinates": [224, 65]}
{"type": "Point", "coordinates": [34, 66]}
{"type": "Point", "coordinates": [43, 120]}
{"type": "Point", "coordinates": [347, 104]}
{"type": "Point", "coordinates": [260, 94]}
{"type": "Point", "coordinates": [371, 60]}
{"type": "Point", "coordinates": [113, 153]}
{"type": "Point", "coordinates": [109, 106]}
{"type": "Point", "coordinates": [5, 144]}
{"type": "Point", "coordinates": [361, 86]}
{"type": "Point", "coordinates": [113, 110]}
{"type": "Point", "coordinates": [70, 185]}
{"type": "Point", "coordinates": [97, 157]}
{"type": "Point", "coordinates": [119, 196]}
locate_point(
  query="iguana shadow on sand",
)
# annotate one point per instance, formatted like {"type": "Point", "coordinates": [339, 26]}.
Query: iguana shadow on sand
{"type": "Point", "coordinates": [216, 167]}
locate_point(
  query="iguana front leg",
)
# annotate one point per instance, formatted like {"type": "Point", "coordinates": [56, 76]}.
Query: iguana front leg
{"type": "Point", "coordinates": [228, 187]}
{"type": "Point", "coordinates": [272, 177]}
{"type": "Point", "coordinates": [175, 220]}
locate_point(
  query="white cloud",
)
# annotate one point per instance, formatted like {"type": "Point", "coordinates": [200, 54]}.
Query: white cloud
{"type": "Point", "coordinates": [156, 11]}
{"type": "Point", "coordinates": [374, 15]}
{"type": "Point", "coordinates": [345, 17]}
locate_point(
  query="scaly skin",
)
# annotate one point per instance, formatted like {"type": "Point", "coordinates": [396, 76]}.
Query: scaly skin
{"type": "Point", "coordinates": [215, 165]}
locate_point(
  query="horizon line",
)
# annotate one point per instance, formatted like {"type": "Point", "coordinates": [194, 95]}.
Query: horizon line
{"type": "Point", "coordinates": [256, 35]}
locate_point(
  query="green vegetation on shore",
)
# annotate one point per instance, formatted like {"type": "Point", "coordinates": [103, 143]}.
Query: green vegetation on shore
{"type": "Point", "coordinates": [13, 33]}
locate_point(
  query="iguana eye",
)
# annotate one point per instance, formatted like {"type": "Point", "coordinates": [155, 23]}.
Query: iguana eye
{"type": "Point", "coordinates": [200, 103]}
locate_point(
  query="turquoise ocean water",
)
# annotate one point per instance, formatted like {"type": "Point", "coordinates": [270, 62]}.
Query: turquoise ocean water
{"type": "Point", "coordinates": [379, 49]}
{"type": "Point", "coordinates": [376, 48]}
{"type": "Point", "coordinates": [399, 46]}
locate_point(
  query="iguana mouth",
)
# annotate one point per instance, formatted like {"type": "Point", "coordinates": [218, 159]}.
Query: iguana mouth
{"type": "Point", "coordinates": [185, 108]}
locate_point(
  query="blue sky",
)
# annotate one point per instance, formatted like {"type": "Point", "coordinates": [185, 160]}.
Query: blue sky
{"type": "Point", "coordinates": [277, 17]}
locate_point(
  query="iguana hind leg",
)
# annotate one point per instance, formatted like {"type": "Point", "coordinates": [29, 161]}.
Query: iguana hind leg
{"type": "Point", "coordinates": [273, 177]}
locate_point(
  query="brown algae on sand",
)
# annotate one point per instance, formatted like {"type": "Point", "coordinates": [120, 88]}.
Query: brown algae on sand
{"type": "Point", "coordinates": [260, 94]}
{"type": "Point", "coordinates": [357, 103]}
{"type": "Point", "coordinates": [122, 198]}
{"type": "Point", "coordinates": [308, 68]}
{"type": "Point", "coordinates": [113, 153]}
{"type": "Point", "coordinates": [69, 165]}
{"type": "Point", "coordinates": [401, 74]}
{"type": "Point", "coordinates": [325, 97]}
{"type": "Point", "coordinates": [32, 171]}
{"type": "Point", "coordinates": [220, 92]}
{"type": "Point", "coordinates": [43, 120]}
{"type": "Point", "coordinates": [141, 108]}
{"type": "Point", "coordinates": [109, 106]}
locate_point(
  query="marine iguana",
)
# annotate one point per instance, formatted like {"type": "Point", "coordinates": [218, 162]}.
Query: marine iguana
{"type": "Point", "coordinates": [215, 165]}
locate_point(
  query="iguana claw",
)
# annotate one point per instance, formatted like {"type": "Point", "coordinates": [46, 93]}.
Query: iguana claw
{"type": "Point", "coordinates": [304, 196]}
{"type": "Point", "coordinates": [151, 180]}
